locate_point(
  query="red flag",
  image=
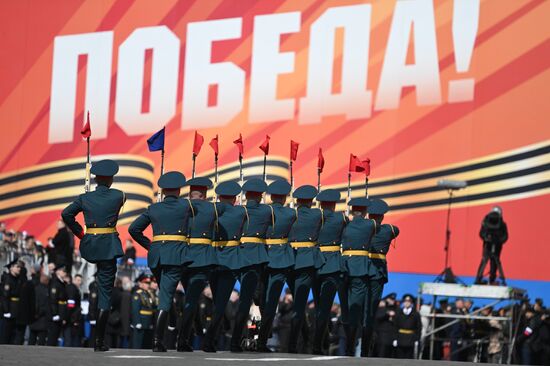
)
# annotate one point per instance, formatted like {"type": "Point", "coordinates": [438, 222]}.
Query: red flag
{"type": "Point", "coordinates": [239, 143]}
{"type": "Point", "coordinates": [265, 145]}
{"type": "Point", "coordinates": [355, 164]}
{"type": "Point", "coordinates": [86, 130]}
{"type": "Point", "coordinates": [320, 161]}
{"type": "Point", "coordinates": [293, 150]}
{"type": "Point", "coordinates": [197, 144]}
{"type": "Point", "coordinates": [366, 166]}
{"type": "Point", "coordinates": [214, 144]}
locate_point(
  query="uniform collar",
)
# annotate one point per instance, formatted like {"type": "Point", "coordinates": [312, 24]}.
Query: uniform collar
{"type": "Point", "coordinates": [252, 203]}
{"type": "Point", "coordinates": [101, 187]}
{"type": "Point", "coordinates": [170, 198]}
{"type": "Point", "coordinates": [276, 204]}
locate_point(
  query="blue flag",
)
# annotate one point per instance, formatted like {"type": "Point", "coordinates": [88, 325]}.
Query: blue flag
{"type": "Point", "coordinates": [156, 142]}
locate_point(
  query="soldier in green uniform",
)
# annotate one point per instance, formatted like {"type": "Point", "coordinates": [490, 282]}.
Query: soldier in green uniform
{"type": "Point", "coordinates": [328, 278]}
{"type": "Point", "coordinates": [356, 239]}
{"type": "Point", "coordinates": [226, 239]}
{"type": "Point", "coordinates": [252, 253]}
{"type": "Point", "coordinates": [143, 309]}
{"type": "Point", "coordinates": [168, 248]}
{"type": "Point", "coordinates": [100, 243]}
{"type": "Point", "coordinates": [201, 252]}
{"type": "Point", "coordinates": [307, 258]}
{"type": "Point", "coordinates": [378, 269]}
{"type": "Point", "coordinates": [281, 257]}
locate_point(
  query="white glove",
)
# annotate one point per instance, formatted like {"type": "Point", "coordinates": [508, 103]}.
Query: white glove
{"type": "Point", "coordinates": [171, 329]}
{"type": "Point", "coordinates": [138, 326]}
{"type": "Point", "coordinates": [7, 315]}
{"type": "Point", "coordinates": [56, 318]}
{"type": "Point", "coordinates": [394, 343]}
{"type": "Point", "coordinates": [92, 322]}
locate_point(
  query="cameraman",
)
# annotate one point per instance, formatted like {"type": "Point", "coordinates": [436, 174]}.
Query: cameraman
{"type": "Point", "coordinates": [494, 234]}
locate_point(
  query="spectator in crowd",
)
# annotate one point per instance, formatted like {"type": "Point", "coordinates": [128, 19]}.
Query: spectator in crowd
{"type": "Point", "coordinates": [58, 305]}
{"type": "Point", "coordinates": [11, 292]}
{"type": "Point", "coordinates": [63, 247]}
{"type": "Point", "coordinates": [39, 327]}
{"type": "Point", "coordinates": [284, 317]}
{"type": "Point", "coordinates": [125, 311]}
{"type": "Point", "coordinates": [385, 326]}
{"type": "Point", "coordinates": [458, 333]}
{"type": "Point", "coordinates": [25, 311]}
{"type": "Point", "coordinates": [73, 333]}
{"type": "Point", "coordinates": [92, 308]}
{"type": "Point", "coordinates": [129, 257]}
{"type": "Point", "coordinates": [114, 325]}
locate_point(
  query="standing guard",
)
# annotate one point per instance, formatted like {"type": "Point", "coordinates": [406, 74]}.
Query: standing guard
{"type": "Point", "coordinates": [303, 239]}
{"type": "Point", "coordinates": [355, 263]}
{"type": "Point", "coordinates": [378, 268]}
{"type": "Point", "coordinates": [252, 254]}
{"type": "Point", "coordinates": [281, 257]}
{"type": "Point", "coordinates": [226, 240]}
{"type": "Point", "coordinates": [11, 292]}
{"type": "Point", "coordinates": [409, 328]}
{"type": "Point", "coordinates": [143, 309]}
{"type": "Point", "coordinates": [328, 276]}
{"type": "Point", "coordinates": [58, 305]}
{"type": "Point", "coordinates": [100, 243]}
{"type": "Point", "coordinates": [168, 249]}
{"type": "Point", "coordinates": [201, 252]}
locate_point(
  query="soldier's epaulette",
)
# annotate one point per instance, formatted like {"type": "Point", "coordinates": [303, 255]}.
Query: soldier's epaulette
{"type": "Point", "coordinates": [139, 291]}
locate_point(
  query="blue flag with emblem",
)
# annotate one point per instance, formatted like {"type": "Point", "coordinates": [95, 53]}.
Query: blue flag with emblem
{"type": "Point", "coordinates": [156, 142]}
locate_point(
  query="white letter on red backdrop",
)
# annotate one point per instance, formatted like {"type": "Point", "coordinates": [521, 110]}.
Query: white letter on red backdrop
{"type": "Point", "coordinates": [354, 100]}
{"type": "Point", "coordinates": [424, 73]}
{"type": "Point", "coordinates": [200, 73]}
{"type": "Point", "coordinates": [66, 49]}
{"type": "Point", "coordinates": [267, 64]}
{"type": "Point", "coordinates": [165, 48]}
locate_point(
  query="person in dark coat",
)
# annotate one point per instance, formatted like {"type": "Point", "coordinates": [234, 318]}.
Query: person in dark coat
{"type": "Point", "coordinates": [39, 328]}
{"type": "Point", "coordinates": [130, 254]}
{"type": "Point", "coordinates": [494, 234]}
{"type": "Point", "coordinates": [409, 328]}
{"type": "Point", "coordinates": [11, 294]}
{"type": "Point", "coordinates": [114, 325]}
{"type": "Point", "coordinates": [92, 309]}
{"type": "Point", "coordinates": [25, 313]}
{"type": "Point", "coordinates": [63, 246]}
{"type": "Point", "coordinates": [125, 312]}
{"type": "Point", "coordinates": [74, 325]}
{"type": "Point", "coordinates": [58, 305]}
{"type": "Point", "coordinates": [385, 326]}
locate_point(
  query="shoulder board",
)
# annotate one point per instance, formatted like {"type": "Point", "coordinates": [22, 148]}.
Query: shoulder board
{"type": "Point", "coordinates": [139, 291]}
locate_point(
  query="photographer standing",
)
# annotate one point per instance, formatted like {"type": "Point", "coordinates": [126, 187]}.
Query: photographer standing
{"type": "Point", "coordinates": [494, 234]}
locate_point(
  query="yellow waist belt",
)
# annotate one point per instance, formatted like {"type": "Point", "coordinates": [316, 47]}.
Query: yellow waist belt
{"type": "Point", "coordinates": [377, 256]}
{"type": "Point", "coordinates": [62, 302]}
{"type": "Point", "coordinates": [146, 312]}
{"type": "Point", "coordinates": [225, 243]}
{"type": "Point", "coordinates": [330, 248]}
{"type": "Point", "coordinates": [14, 299]}
{"type": "Point", "coordinates": [302, 244]}
{"type": "Point", "coordinates": [252, 239]}
{"type": "Point", "coordinates": [169, 238]}
{"type": "Point", "coordinates": [406, 331]}
{"type": "Point", "coordinates": [352, 252]}
{"type": "Point", "coordinates": [100, 230]}
{"type": "Point", "coordinates": [200, 241]}
{"type": "Point", "coordinates": [276, 241]}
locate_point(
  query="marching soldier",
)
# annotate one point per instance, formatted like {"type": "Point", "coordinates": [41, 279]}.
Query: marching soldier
{"type": "Point", "coordinates": [226, 240]}
{"type": "Point", "coordinates": [378, 269]}
{"type": "Point", "coordinates": [168, 249]}
{"type": "Point", "coordinates": [100, 243]}
{"type": "Point", "coordinates": [355, 262]}
{"type": "Point", "coordinates": [327, 280]}
{"type": "Point", "coordinates": [143, 309]}
{"type": "Point", "coordinates": [11, 292]}
{"type": "Point", "coordinates": [281, 257]}
{"type": "Point", "coordinates": [58, 305]}
{"type": "Point", "coordinates": [303, 238]}
{"type": "Point", "coordinates": [200, 251]}
{"type": "Point", "coordinates": [252, 254]}
{"type": "Point", "coordinates": [409, 327]}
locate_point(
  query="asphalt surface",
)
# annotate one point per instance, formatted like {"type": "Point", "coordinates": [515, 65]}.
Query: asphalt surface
{"type": "Point", "coordinates": [44, 356]}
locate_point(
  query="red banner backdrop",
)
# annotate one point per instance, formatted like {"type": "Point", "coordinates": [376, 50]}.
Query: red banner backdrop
{"type": "Point", "coordinates": [425, 89]}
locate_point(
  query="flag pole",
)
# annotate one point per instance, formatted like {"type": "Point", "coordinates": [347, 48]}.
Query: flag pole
{"type": "Point", "coordinates": [265, 162]}
{"type": "Point", "coordinates": [216, 169]}
{"type": "Point", "coordinates": [88, 166]}
{"type": "Point", "coordinates": [367, 186]}
{"type": "Point", "coordinates": [241, 177]}
{"type": "Point", "coordinates": [318, 180]}
{"type": "Point", "coordinates": [349, 193]}
{"type": "Point", "coordinates": [159, 193]}
{"type": "Point", "coordinates": [193, 172]}
{"type": "Point", "coordinates": [291, 185]}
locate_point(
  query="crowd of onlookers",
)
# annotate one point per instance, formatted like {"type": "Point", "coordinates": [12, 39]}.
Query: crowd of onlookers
{"type": "Point", "coordinates": [30, 319]}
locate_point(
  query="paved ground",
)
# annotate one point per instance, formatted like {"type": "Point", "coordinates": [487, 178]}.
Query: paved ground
{"type": "Point", "coordinates": [44, 356]}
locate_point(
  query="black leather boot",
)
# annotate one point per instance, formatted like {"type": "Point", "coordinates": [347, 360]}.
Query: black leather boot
{"type": "Point", "coordinates": [208, 344]}
{"type": "Point", "coordinates": [240, 322]}
{"type": "Point", "coordinates": [160, 327]}
{"type": "Point", "coordinates": [102, 317]}
{"type": "Point", "coordinates": [366, 341]}
{"type": "Point", "coordinates": [184, 333]}
{"type": "Point", "coordinates": [351, 340]}
{"type": "Point", "coordinates": [295, 331]}
{"type": "Point", "coordinates": [263, 335]}
{"type": "Point", "coordinates": [318, 338]}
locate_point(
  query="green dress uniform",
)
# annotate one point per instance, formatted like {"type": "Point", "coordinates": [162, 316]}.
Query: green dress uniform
{"type": "Point", "coordinates": [167, 251]}
{"type": "Point", "coordinates": [328, 278]}
{"type": "Point", "coordinates": [143, 310]}
{"type": "Point", "coordinates": [355, 264]}
{"type": "Point", "coordinates": [378, 269]}
{"type": "Point", "coordinates": [281, 259]}
{"type": "Point", "coordinates": [100, 243]}
{"type": "Point", "coordinates": [252, 255]}
{"type": "Point", "coordinates": [307, 259]}
{"type": "Point", "coordinates": [202, 253]}
{"type": "Point", "coordinates": [226, 239]}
